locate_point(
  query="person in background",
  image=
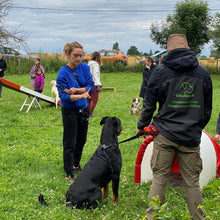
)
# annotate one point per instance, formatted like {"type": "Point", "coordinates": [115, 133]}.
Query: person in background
{"type": "Point", "coordinates": [3, 67]}
{"type": "Point", "coordinates": [94, 65]}
{"type": "Point", "coordinates": [75, 85]}
{"type": "Point", "coordinates": [39, 81]}
{"type": "Point", "coordinates": [217, 136]}
{"type": "Point", "coordinates": [33, 73]}
{"type": "Point", "coordinates": [148, 69]}
{"type": "Point", "coordinates": [183, 89]}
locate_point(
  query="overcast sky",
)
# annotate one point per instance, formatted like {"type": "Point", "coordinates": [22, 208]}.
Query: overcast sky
{"type": "Point", "coordinates": [96, 24]}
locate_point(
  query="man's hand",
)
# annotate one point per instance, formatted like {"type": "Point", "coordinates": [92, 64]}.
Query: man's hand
{"type": "Point", "coordinates": [138, 132]}
{"type": "Point", "coordinates": [151, 130]}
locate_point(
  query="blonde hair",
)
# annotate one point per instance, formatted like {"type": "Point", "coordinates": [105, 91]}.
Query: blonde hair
{"type": "Point", "coordinates": [177, 41]}
{"type": "Point", "coordinates": [69, 47]}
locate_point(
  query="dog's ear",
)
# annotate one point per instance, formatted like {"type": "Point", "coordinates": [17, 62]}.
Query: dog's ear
{"type": "Point", "coordinates": [102, 122]}
{"type": "Point", "coordinates": [117, 123]}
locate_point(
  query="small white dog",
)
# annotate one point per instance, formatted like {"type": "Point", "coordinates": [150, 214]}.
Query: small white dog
{"type": "Point", "coordinates": [135, 107]}
{"type": "Point", "coordinates": [54, 91]}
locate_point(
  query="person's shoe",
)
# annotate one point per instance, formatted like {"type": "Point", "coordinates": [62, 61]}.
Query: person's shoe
{"type": "Point", "coordinates": [77, 169]}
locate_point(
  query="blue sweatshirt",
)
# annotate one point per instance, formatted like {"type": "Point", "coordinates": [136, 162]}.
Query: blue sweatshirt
{"type": "Point", "coordinates": [66, 80]}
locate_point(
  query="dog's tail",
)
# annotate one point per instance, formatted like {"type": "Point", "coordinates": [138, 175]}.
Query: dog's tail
{"type": "Point", "coordinates": [42, 200]}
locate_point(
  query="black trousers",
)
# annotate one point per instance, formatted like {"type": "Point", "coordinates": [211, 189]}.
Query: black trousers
{"type": "Point", "coordinates": [75, 128]}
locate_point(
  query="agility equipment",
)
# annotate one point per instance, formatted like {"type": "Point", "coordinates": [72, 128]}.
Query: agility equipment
{"type": "Point", "coordinates": [109, 88]}
{"type": "Point", "coordinates": [210, 154]}
{"type": "Point", "coordinates": [31, 95]}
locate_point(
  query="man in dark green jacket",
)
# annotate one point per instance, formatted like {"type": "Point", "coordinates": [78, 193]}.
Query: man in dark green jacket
{"type": "Point", "coordinates": [183, 89]}
{"type": "Point", "coordinates": [3, 67]}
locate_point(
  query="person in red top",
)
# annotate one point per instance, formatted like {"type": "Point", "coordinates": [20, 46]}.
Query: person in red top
{"type": "Point", "coordinates": [39, 81]}
{"type": "Point", "coordinates": [94, 65]}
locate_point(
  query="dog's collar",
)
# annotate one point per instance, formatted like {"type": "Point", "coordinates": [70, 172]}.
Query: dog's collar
{"type": "Point", "coordinates": [105, 146]}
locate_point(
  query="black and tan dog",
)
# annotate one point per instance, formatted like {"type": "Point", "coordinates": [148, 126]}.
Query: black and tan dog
{"type": "Point", "coordinates": [104, 166]}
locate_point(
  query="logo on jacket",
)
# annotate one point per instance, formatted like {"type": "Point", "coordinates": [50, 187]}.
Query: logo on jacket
{"type": "Point", "coordinates": [186, 90]}
{"type": "Point", "coordinates": [185, 98]}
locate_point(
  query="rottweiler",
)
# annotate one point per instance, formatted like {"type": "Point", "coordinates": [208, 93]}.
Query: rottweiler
{"type": "Point", "coordinates": [103, 167]}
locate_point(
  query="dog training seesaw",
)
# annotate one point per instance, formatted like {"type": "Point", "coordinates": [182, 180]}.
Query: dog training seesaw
{"type": "Point", "coordinates": [32, 95]}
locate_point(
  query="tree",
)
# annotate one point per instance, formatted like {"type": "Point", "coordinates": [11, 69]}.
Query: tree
{"type": "Point", "coordinates": [191, 17]}
{"type": "Point", "coordinates": [15, 37]}
{"type": "Point", "coordinates": [133, 51]}
{"type": "Point", "coordinates": [115, 46]}
{"type": "Point", "coordinates": [215, 34]}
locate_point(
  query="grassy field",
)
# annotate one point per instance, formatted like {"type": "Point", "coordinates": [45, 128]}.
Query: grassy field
{"type": "Point", "coordinates": [31, 156]}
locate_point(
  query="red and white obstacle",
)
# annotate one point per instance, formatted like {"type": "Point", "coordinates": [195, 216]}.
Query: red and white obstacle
{"type": "Point", "coordinates": [210, 154]}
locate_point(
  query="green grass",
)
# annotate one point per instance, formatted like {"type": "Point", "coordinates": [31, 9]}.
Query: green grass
{"type": "Point", "coordinates": [31, 156]}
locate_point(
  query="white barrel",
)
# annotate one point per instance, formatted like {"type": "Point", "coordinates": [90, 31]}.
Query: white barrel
{"type": "Point", "coordinates": [209, 150]}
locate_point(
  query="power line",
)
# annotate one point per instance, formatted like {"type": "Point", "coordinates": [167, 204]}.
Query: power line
{"type": "Point", "coordinates": [90, 10]}
{"type": "Point", "coordinates": [99, 10]}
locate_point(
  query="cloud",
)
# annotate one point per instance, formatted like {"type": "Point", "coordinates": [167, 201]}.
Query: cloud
{"type": "Point", "coordinates": [96, 24]}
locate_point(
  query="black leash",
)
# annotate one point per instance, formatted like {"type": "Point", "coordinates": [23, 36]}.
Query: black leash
{"type": "Point", "coordinates": [151, 130]}
{"type": "Point", "coordinates": [132, 138]}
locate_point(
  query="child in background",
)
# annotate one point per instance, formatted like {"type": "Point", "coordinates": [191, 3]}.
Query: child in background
{"type": "Point", "coordinates": [39, 81]}
{"type": "Point", "coordinates": [34, 69]}
{"type": "Point", "coordinates": [217, 136]}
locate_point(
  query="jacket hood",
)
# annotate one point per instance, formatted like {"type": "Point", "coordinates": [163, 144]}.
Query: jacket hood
{"type": "Point", "coordinates": [181, 59]}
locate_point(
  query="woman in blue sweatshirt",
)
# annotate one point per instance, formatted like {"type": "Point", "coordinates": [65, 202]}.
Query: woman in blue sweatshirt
{"type": "Point", "coordinates": [75, 84]}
